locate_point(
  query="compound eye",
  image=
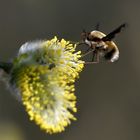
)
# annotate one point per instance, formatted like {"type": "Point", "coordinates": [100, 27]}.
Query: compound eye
{"type": "Point", "coordinates": [90, 37]}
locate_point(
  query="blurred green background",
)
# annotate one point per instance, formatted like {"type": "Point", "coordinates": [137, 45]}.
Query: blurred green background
{"type": "Point", "coordinates": [108, 94]}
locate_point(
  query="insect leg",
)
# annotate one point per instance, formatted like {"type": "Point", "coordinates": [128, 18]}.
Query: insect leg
{"type": "Point", "coordinates": [95, 62]}
{"type": "Point", "coordinates": [95, 56]}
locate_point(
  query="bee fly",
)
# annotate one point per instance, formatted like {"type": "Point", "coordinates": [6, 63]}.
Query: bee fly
{"type": "Point", "coordinates": [101, 45]}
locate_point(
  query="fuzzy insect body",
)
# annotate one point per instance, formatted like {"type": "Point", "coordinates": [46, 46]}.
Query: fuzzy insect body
{"type": "Point", "coordinates": [102, 45]}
